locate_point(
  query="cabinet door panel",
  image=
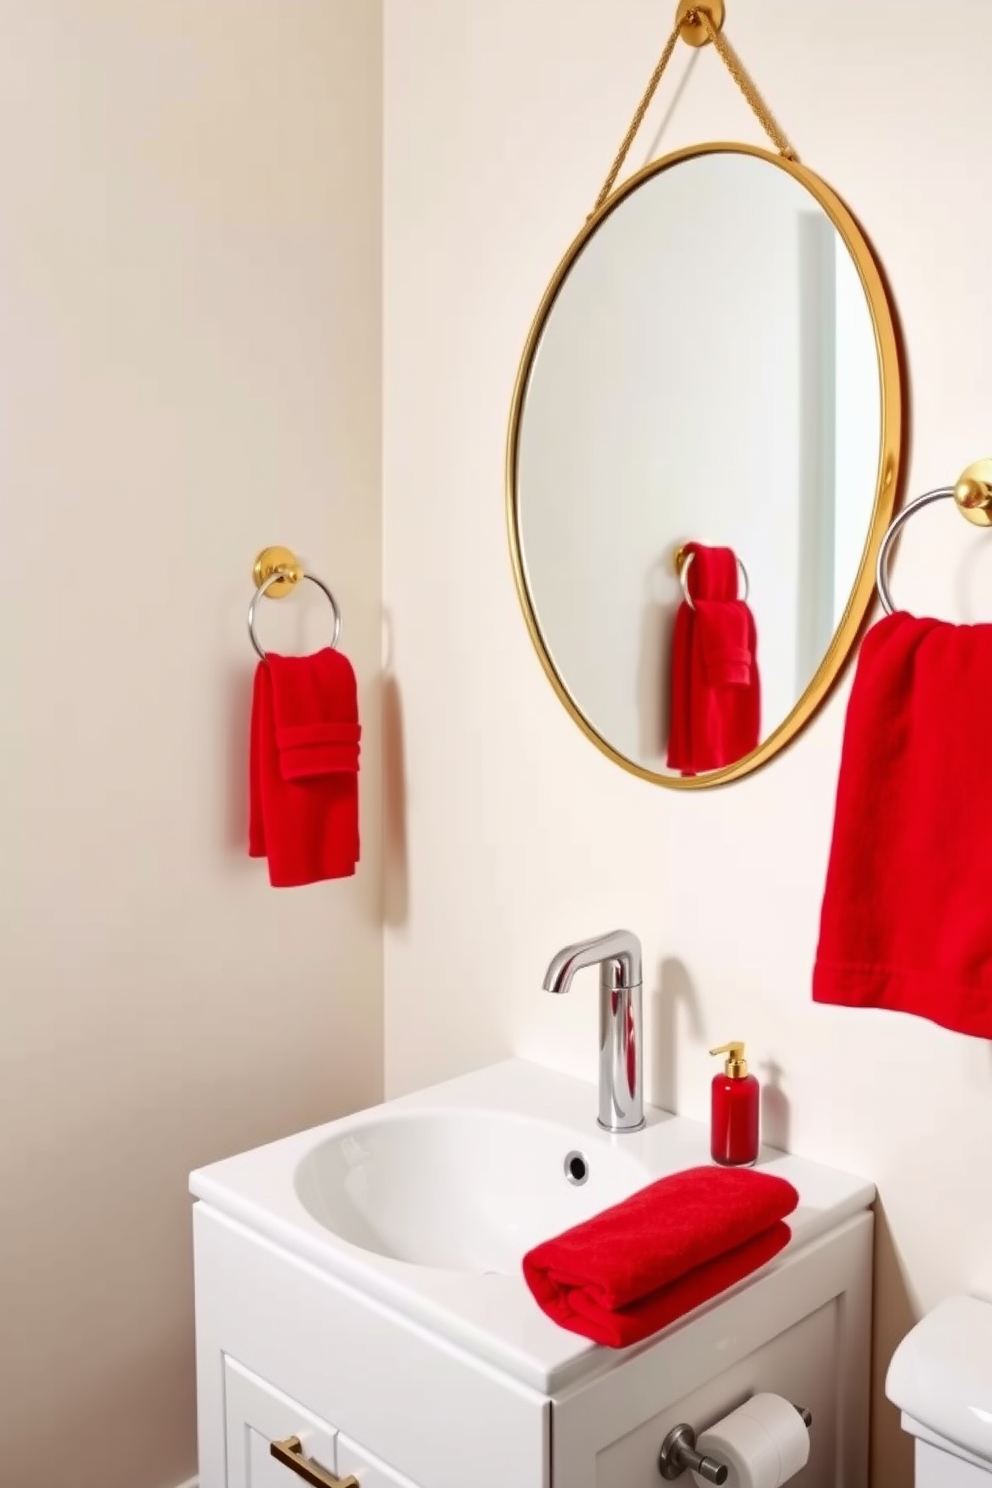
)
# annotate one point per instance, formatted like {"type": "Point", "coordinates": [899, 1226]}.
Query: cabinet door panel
{"type": "Point", "coordinates": [256, 1415]}
{"type": "Point", "coordinates": [800, 1365]}
{"type": "Point", "coordinates": [802, 1331]}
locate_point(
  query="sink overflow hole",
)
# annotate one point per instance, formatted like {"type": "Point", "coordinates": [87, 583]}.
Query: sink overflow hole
{"type": "Point", "coordinates": [576, 1168]}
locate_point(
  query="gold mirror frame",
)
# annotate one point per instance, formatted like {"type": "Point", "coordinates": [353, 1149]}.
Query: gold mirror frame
{"type": "Point", "coordinates": [890, 378]}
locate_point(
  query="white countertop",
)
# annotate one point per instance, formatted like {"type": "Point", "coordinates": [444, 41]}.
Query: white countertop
{"type": "Point", "coordinates": [494, 1317]}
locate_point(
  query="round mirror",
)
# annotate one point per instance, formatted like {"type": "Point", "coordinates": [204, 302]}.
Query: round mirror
{"type": "Point", "coordinates": [702, 461]}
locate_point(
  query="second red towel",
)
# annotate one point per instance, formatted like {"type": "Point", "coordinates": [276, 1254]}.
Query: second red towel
{"type": "Point", "coordinates": [640, 1265]}
{"type": "Point", "coordinates": [905, 923]}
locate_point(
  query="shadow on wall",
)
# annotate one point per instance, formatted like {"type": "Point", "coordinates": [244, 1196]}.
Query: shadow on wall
{"type": "Point", "coordinates": [395, 858]}
{"type": "Point", "coordinates": [776, 1110]}
{"type": "Point", "coordinates": [235, 774]}
{"type": "Point", "coordinates": [654, 144]}
{"type": "Point", "coordinates": [674, 988]}
{"type": "Point", "coordinates": [893, 1314]}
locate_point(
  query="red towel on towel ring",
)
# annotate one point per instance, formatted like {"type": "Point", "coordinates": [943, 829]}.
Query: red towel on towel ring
{"type": "Point", "coordinates": [715, 686]}
{"type": "Point", "coordinates": [635, 1268]}
{"type": "Point", "coordinates": [304, 768]}
{"type": "Point", "coordinates": [906, 923]}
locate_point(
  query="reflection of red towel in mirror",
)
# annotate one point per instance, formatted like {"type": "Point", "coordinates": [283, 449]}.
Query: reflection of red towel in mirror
{"type": "Point", "coordinates": [716, 690]}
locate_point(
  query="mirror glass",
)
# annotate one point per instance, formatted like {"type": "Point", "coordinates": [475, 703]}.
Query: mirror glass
{"type": "Point", "coordinates": [714, 366]}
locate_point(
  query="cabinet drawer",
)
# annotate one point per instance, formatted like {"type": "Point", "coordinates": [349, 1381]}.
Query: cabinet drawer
{"type": "Point", "coordinates": [257, 1414]}
{"type": "Point", "coordinates": [370, 1472]}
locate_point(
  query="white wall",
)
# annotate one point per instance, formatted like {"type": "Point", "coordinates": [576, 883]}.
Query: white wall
{"type": "Point", "coordinates": [189, 369]}
{"type": "Point", "coordinates": [501, 120]}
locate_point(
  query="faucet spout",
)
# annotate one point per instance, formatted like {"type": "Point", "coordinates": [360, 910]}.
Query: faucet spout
{"type": "Point", "coordinates": [619, 946]}
{"type": "Point", "coordinates": [618, 956]}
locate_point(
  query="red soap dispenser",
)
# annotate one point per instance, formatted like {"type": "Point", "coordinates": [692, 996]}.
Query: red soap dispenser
{"type": "Point", "coordinates": [734, 1121]}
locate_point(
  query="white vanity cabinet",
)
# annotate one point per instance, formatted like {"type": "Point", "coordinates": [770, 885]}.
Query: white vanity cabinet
{"type": "Point", "coordinates": [407, 1375]}
{"type": "Point", "coordinates": [284, 1352]}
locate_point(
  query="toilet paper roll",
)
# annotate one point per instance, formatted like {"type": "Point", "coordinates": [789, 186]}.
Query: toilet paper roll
{"type": "Point", "coordinates": [764, 1443]}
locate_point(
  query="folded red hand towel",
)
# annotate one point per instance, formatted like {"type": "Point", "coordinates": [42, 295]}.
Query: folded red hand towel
{"type": "Point", "coordinates": [304, 768]}
{"type": "Point", "coordinates": [905, 924]}
{"type": "Point", "coordinates": [635, 1268]}
{"type": "Point", "coordinates": [715, 686]}
{"type": "Point", "coordinates": [726, 640]}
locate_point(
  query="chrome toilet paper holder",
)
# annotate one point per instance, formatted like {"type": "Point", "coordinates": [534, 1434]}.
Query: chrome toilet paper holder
{"type": "Point", "coordinates": [678, 1454]}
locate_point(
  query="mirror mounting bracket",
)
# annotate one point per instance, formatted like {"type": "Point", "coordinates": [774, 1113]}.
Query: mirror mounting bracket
{"type": "Point", "coordinates": [691, 28]}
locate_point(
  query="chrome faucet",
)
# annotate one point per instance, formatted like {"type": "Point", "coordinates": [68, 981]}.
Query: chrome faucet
{"type": "Point", "coordinates": [618, 955]}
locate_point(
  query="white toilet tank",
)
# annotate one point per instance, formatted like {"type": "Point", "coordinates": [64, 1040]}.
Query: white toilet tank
{"type": "Point", "coordinates": [941, 1379]}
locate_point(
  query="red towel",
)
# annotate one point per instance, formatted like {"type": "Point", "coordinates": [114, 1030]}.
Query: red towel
{"type": "Point", "coordinates": [637, 1267]}
{"type": "Point", "coordinates": [716, 690]}
{"type": "Point", "coordinates": [304, 768]}
{"type": "Point", "coordinates": [906, 922]}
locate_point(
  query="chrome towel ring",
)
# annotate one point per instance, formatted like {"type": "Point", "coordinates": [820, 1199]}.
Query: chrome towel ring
{"type": "Point", "coordinates": [882, 566]}
{"type": "Point", "coordinates": [276, 572]}
{"type": "Point", "coordinates": [683, 561]}
{"type": "Point", "coordinates": [973, 498]}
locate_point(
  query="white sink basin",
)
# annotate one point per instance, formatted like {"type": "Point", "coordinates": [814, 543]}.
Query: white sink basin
{"type": "Point", "coordinates": [465, 1190]}
{"type": "Point", "coordinates": [426, 1204]}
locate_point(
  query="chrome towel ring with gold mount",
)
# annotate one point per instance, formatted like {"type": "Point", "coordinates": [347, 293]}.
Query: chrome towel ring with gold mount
{"type": "Point", "coordinates": [973, 497]}
{"type": "Point", "coordinates": [276, 572]}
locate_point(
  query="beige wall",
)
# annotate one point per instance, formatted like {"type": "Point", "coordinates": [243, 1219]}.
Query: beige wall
{"type": "Point", "coordinates": [501, 120]}
{"type": "Point", "coordinates": [189, 368]}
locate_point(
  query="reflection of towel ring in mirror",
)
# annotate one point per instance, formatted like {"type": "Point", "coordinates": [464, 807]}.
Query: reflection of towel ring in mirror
{"type": "Point", "coordinates": [278, 566]}
{"type": "Point", "coordinates": [686, 564]}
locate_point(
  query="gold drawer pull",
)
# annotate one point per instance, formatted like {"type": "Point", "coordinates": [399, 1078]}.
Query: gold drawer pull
{"type": "Point", "coordinates": [290, 1454]}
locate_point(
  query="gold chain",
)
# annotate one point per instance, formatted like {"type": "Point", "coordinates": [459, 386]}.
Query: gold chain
{"type": "Point", "coordinates": [737, 71]}
{"type": "Point", "coordinates": [638, 119]}
{"type": "Point", "coordinates": [746, 83]}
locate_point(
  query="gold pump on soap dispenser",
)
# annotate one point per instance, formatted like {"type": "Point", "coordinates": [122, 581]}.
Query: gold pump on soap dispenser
{"type": "Point", "coordinates": [735, 1111]}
